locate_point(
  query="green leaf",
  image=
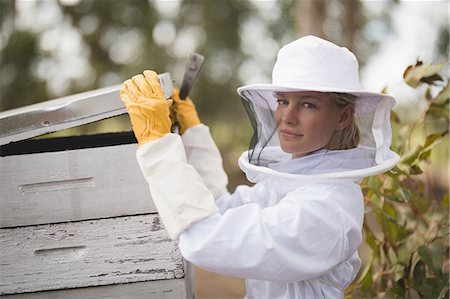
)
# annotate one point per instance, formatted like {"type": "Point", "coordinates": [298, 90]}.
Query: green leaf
{"type": "Point", "coordinates": [392, 256]}
{"type": "Point", "coordinates": [395, 172]}
{"type": "Point", "coordinates": [365, 280]}
{"type": "Point", "coordinates": [444, 292]}
{"type": "Point", "coordinates": [374, 183]}
{"type": "Point", "coordinates": [394, 197]}
{"type": "Point", "coordinates": [415, 169]}
{"type": "Point", "coordinates": [390, 183]}
{"type": "Point", "coordinates": [371, 241]}
{"type": "Point", "coordinates": [437, 254]}
{"type": "Point", "coordinates": [444, 201]}
{"type": "Point", "coordinates": [392, 231]}
{"type": "Point", "coordinates": [404, 256]}
{"type": "Point", "coordinates": [424, 155]}
{"type": "Point", "coordinates": [403, 233]}
{"type": "Point", "coordinates": [397, 272]}
{"type": "Point", "coordinates": [414, 75]}
{"type": "Point", "coordinates": [398, 291]}
{"type": "Point", "coordinates": [437, 111]}
{"type": "Point", "coordinates": [434, 284]}
{"type": "Point", "coordinates": [405, 193]}
{"type": "Point", "coordinates": [390, 211]}
{"type": "Point", "coordinates": [394, 117]}
{"type": "Point", "coordinates": [428, 95]}
{"type": "Point", "coordinates": [444, 96]}
{"type": "Point", "coordinates": [394, 293]}
{"type": "Point", "coordinates": [422, 204]}
{"type": "Point", "coordinates": [443, 231]}
{"type": "Point", "coordinates": [431, 79]}
{"type": "Point", "coordinates": [427, 289]}
{"type": "Point", "coordinates": [419, 273]}
{"type": "Point", "coordinates": [382, 255]}
{"type": "Point", "coordinates": [432, 140]}
{"type": "Point", "coordinates": [426, 256]}
{"type": "Point", "coordinates": [375, 200]}
{"type": "Point", "coordinates": [411, 156]}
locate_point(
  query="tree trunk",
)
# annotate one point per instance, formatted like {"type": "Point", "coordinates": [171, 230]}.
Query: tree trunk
{"type": "Point", "coordinates": [311, 16]}
{"type": "Point", "coordinates": [350, 23]}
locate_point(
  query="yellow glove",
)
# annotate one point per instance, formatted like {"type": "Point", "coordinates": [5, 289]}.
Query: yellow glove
{"type": "Point", "coordinates": [149, 111]}
{"type": "Point", "coordinates": [186, 114]}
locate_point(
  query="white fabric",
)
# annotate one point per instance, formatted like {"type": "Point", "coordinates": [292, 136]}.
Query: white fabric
{"type": "Point", "coordinates": [353, 167]}
{"type": "Point", "coordinates": [314, 64]}
{"type": "Point", "coordinates": [311, 61]}
{"type": "Point", "coordinates": [289, 238]}
{"type": "Point", "coordinates": [203, 154]}
{"type": "Point", "coordinates": [178, 191]}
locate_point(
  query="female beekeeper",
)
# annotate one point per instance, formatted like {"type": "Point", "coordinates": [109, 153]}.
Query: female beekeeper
{"type": "Point", "coordinates": [296, 232]}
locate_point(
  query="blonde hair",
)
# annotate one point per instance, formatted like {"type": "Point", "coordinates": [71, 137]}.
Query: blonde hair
{"type": "Point", "coordinates": [348, 137]}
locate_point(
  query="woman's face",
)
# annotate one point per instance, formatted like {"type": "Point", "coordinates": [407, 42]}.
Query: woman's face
{"type": "Point", "coordinates": [307, 121]}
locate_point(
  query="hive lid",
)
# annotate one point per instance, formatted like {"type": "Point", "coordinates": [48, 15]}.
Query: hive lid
{"type": "Point", "coordinates": [66, 112]}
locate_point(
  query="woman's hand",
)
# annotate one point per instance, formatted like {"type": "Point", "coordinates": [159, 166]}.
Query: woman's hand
{"type": "Point", "coordinates": [144, 99]}
{"type": "Point", "coordinates": [185, 112]}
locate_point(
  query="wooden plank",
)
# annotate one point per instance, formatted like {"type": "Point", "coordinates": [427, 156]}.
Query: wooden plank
{"type": "Point", "coordinates": [58, 114]}
{"type": "Point", "coordinates": [87, 253]}
{"type": "Point", "coordinates": [72, 185]}
{"type": "Point", "coordinates": [66, 112]}
{"type": "Point", "coordinates": [160, 289]}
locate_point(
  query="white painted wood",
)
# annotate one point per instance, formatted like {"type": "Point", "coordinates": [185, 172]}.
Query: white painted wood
{"type": "Point", "coordinates": [87, 253]}
{"type": "Point", "coordinates": [58, 114]}
{"type": "Point", "coordinates": [72, 185]}
{"type": "Point", "coordinates": [66, 112]}
{"type": "Point", "coordinates": [159, 289]}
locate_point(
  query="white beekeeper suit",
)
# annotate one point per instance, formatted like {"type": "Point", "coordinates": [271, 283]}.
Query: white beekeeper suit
{"type": "Point", "coordinates": [296, 232]}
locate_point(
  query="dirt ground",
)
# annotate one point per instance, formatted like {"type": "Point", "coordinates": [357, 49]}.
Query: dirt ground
{"type": "Point", "coordinates": [209, 285]}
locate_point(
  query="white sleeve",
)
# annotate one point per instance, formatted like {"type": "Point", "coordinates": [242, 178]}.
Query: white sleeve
{"type": "Point", "coordinates": [203, 154]}
{"type": "Point", "coordinates": [300, 238]}
{"type": "Point", "coordinates": [179, 193]}
{"type": "Point", "coordinates": [257, 194]}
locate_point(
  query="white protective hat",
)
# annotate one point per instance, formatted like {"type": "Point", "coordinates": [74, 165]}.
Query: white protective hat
{"type": "Point", "coordinates": [314, 64]}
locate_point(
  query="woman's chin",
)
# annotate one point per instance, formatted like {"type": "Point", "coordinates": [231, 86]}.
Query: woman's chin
{"type": "Point", "coordinates": [297, 152]}
{"type": "Point", "coordinates": [293, 151]}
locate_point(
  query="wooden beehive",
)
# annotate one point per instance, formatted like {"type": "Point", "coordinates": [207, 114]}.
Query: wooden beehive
{"type": "Point", "coordinates": [76, 215]}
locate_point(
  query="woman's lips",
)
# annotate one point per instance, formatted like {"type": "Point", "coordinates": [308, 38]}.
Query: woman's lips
{"type": "Point", "coordinates": [290, 134]}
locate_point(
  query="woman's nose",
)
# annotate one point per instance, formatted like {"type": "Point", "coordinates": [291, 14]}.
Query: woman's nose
{"type": "Point", "coordinates": [290, 115]}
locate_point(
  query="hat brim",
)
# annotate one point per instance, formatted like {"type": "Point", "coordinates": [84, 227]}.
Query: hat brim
{"type": "Point", "coordinates": [361, 94]}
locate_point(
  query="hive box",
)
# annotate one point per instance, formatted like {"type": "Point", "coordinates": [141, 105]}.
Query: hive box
{"type": "Point", "coordinates": [76, 215]}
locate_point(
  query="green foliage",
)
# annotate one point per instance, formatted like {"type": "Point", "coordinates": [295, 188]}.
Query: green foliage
{"type": "Point", "coordinates": [407, 227]}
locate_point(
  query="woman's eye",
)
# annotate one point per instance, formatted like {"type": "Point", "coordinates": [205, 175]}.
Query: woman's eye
{"type": "Point", "coordinates": [282, 102]}
{"type": "Point", "coordinates": [309, 105]}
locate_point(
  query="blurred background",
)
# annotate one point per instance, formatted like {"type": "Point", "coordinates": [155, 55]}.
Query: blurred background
{"type": "Point", "coordinates": [53, 48]}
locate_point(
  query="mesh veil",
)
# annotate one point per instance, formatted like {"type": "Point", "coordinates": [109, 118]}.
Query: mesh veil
{"type": "Point", "coordinates": [260, 106]}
